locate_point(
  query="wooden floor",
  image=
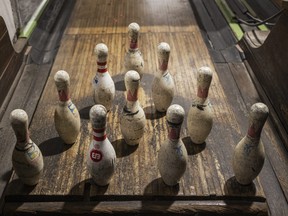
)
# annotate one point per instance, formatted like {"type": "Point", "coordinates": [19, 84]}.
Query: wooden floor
{"type": "Point", "coordinates": [208, 184]}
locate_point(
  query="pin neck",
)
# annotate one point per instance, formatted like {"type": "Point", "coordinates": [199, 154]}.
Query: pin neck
{"type": "Point", "coordinates": [99, 134]}
{"type": "Point", "coordinates": [63, 94]}
{"type": "Point", "coordinates": [102, 67]}
{"type": "Point", "coordinates": [254, 132]}
{"type": "Point", "coordinates": [202, 96]}
{"type": "Point", "coordinates": [132, 96]}
{"type": "Point", "coordinates": [23, 145]}
{"type": "Point", "coordinates": [174, 131]}
{"type": "Point", "coordinates": [163, 64]}
{"type": "Point", "coordinates": [133, 44]}
{"type": "Point", "coordinates": [131, 107]}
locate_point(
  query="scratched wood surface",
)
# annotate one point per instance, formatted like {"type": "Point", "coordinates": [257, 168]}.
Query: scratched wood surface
{"type": "Point", "coordinates": [209, 174]}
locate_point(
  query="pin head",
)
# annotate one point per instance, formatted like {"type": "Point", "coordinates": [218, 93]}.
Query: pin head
{"type": "Point", "coordinates": [259, 111]}
{"type": "Point", "coordinates": [204, 76]}
{"type": "Point", "coordinates": [163, 50]}
{"type": "Point", "coordinates": [62, 79]}
{"type": "Point", "coordinates": [101, 51]}
{"type": "Point", "coordinates": [133, 30]}
{"type": "Point", "coordinates": [258, 114]}
{"type": "Point", "coordinates": [163, 55]}
{"type": "Point", "coordinates": [132, 80]}
{"type": "Point", "coordinates": [175, 114]}
{"type": "Point", "coordinates": [18, 117]}
{"type": "Point", "coordinates": [19, 123]}
{"type": "Point", "coordinates": [98, 116]}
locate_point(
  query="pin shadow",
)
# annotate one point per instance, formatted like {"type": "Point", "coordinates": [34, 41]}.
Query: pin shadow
{"type": "Point", "coordinates": [151, 113]}
{"type": "Point", "coordinates": [16, 194]}
{"type": "Point", "coordinates": [53, 146]}
{"type": "Point", "coordinates": [85, 192]}
{"type": "Point", "coordinates": [159, 196]}
{"type": "Point", "coordinates": [192, 148]}
{"type": "Point", "coordinates": [234, 189]}
{"type": "Point", "coordinates": [84, 112]}
{"type": "Point", "coordinates": [122, 149]}
{"type": "Point", "coordinates": [120, 85]}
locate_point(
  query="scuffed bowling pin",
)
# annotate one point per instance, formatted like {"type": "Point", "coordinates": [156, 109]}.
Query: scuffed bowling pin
{"type": "Point", "coordinates": [27, 158]}
{"type": "Point", "coordinates": [249, 154]}
{"type": "Point", "coordinates": [172, 156]}
{"type": "Point", "coordinates": [101, 156]}
{"type": "Point", "coordinates": [133, 58]}
{"type": "Point", "coordinates": [104, 87]}
{"type": "Point", "coordinates": [133, 120]}
{"type": "Point", "coordinates": [200, 115]}
{"type": "Point", "coordinates": [163, 84]}
{"type": "Point", "coordinates": [66, 115]}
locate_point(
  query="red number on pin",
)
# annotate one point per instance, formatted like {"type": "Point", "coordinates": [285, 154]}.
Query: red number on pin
{"type": "Point", "coordinates": [96, 155]}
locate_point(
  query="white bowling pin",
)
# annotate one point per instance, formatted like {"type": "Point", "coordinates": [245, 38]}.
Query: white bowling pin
{"type": "Point", "coordinates": [249, 154]}
{"type": "Point", "coordinates": [172, 156]}
{"type": "Point", "coordinates": [66, 115]}
{"type": "Point", "coordinates": [163, 84]}
{"type": "Point", "coordinates": [103, 85]}
{"type": "Point", "coordinates": [200, 115]}
{"type": "Point", "coordinates": [133, 120]}
{"type": "Point", "coordinates": [101, 156]}
{"type": "Point", "coordinates": [133, 58]}
{"type": "Point", "coordinates": [27, 158]}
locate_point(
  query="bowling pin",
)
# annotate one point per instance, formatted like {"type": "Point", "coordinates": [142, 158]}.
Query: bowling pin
{"type": "Point", "coordinates": [66, 115]}
{"type": "Point", "coordinates": [200, 115]}
{"type": "Point", "coordinates": [249, 154]}
{"type": "Point", "coordinates": [27, 158]}
{"type": "Point", "coordinates": [132, 120]}
{"type": "Point", "coordinates": [163, 84]}
{"type": "Point", "coordinates": [103, 85]}
{"type": "Point", "coordinates": [101, 155]}
{"type": "Point", "coordinates": [133, 58]}
{"type": "Point", "coordinates": [172, 156]}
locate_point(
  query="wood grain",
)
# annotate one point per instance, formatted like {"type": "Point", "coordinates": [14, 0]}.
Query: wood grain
{"type": "Point", "coordinates": [209, 174]}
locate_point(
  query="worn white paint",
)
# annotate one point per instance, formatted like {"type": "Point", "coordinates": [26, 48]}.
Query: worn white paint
{"type": "Point", "coordinates": [249, 154]}
{"type": "Point", "coordinates": [27, 158]}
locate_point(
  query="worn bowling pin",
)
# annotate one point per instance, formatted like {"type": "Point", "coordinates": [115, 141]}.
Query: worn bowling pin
{"type": "Point", "coordinates": [101, 155]}
{"type": "Point", "coordinates": [66, 115]}
{"type": "Point", "coordinates": [200, 115]}
{"type": "Point", "coordinates": [172, 156]}
{"type": "Point", "coordinates": [249, 154]}
{"type": "Point", "coordinates": [133, 58]}
{"type": "Point", "coordinates": [163, 84]}
{"type": "Point", "coordinates": [104, 87]}
{"type": "Point", "coordinates": [133, 120]}
{"type": "Point", "coordinates": [27, 158]}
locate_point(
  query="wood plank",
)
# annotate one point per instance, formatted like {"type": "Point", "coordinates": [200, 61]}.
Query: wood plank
{"type": "Point", "coordinates": [270, 75]}
{"type": "Point", "coordinates": [209, 175]}
{"type": "Point", "coordinates": [275, 167]}
{"type": "Point", "coordinates": [205, 208]}
{"type": "Point", "coordinates": [6, 52]}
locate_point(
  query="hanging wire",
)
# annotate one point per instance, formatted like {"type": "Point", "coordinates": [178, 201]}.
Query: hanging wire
{"type": "Point", "coordinates": [259, 21]}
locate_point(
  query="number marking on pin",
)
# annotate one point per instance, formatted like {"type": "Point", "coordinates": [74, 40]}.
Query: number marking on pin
{"type": "Point", "coordinates": [96, 155]}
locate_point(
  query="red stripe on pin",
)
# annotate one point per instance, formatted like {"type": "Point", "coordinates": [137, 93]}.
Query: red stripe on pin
{"type": "Point", "coordinates": [101, 63]}
{"type": "Point", "coordinates": [133, 44]}
{"type": "Point", "coordinates": [131, 96]}
{"type": "Point", "coordinates": [102, 138]}
{"type": "Point", "coordinates": [101, 130]}
{"type": "Point", "coordinates": [202, 93]}
{"type": "Point", "coordinates": [102, 70]}
{"type": "Point", "coordinates": [63, 95]}
{"type": "Point", "coordinates": [101, 135]}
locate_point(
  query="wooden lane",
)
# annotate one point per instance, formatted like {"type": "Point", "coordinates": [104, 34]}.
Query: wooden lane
{"type": "Point", "coordinates": [209, 173]}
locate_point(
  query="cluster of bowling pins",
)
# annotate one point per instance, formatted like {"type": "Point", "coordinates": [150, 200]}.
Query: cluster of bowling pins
{"type": "Point", "coordinates": [172, 157]}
